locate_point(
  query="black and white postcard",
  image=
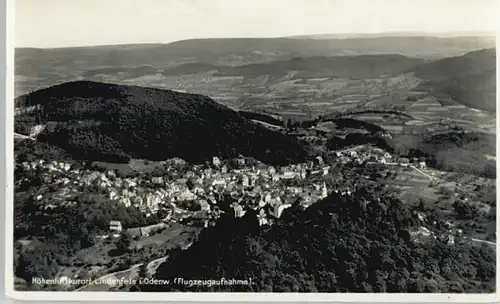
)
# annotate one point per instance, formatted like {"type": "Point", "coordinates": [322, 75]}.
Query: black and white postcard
{"type": "Point", "coordinates": [278, 150]}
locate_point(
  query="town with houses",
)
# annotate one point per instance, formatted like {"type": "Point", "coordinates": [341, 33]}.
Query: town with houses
{"type": "Point", "coordinates": [252, 185]}
{"type": "Point", "coordinates": [266, 189]}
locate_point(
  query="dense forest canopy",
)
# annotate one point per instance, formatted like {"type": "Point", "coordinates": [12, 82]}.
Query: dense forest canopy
{"type": "Point", "coordinates": [341, 244]}
{"type": "Point", "coordinates": [98, 121]}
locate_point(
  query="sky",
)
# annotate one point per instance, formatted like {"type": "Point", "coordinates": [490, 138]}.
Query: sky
{"type": "Point", "coordinates": [69, 23]}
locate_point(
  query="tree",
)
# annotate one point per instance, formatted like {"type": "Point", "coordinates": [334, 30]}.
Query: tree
{"type": "Point", "coordinates": [190, 184]}
{"type": "Point", "coordinates": [87, 239]}
{"type": "Point", "coordinates": [464, 210]}
{"type": "Point", "coordinates": [143, 271]}
{"type": "Point", "coordinates": [134, 288]}
{"type": "Point", "coordinates": [417, 285]}
{"type": "Point", "coordinates": [38, 262]}
{"type": "Point", "coordinates": [421, 205]}
{"type": "Point", "coordinates": [25, 267]}
{"type": "Point", "coordinates": [123, 243]}
{"type": "Point", "coordinates": [490, 170]}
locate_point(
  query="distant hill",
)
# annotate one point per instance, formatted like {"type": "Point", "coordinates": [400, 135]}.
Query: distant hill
{"type": "Point", "coordinates": [39, 68]}
{"type": "Point", "coordinates": [131, 72]}
{"type": "Point", "coordinates": [190, 68]}
{"type": "Point", "coordinates": [467, 64]}
{"type": "Point", "coordinates": [210, 50]}
{"type": "Point", "coordinates": [469, 79]}
{"type": "Point", "coordinates": [463, 34]}
{"type": "Point", "coordinates": [408, 46]}
{"type": "Point", "coordinates": [108, 122]}
{"type": "Point", "coordinates": [354, 67]}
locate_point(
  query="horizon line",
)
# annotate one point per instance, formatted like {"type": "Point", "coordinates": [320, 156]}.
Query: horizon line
{"type": "Point", "coordinates": [334, 36]}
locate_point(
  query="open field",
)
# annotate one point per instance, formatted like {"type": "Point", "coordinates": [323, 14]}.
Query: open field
{"type": "Point", "coordinates": [294, 93]}
{"type": "Point", "coordinates": [315, 96]}
{"type": "Point", "coordinates": [172, 236]}
{"type": "Point", "coordinates": [444, 189]}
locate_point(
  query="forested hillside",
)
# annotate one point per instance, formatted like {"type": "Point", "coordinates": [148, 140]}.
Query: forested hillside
{"type": "Point", "coordinates": [341, 244]}
{"type": "Point", "coordinates": [353, 67]}
{"type": "Point", "coordinates": [98, 121]}
{"type": "Point", "coordinates": [469, 79]}
{"type": "Point", "coordinates": [453, 150]}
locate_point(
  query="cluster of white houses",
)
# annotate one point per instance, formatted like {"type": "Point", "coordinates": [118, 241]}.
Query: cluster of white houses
{"type": "Point", "coordinates": [361, 154]}
{"type": "Point", "coordinates": [255, 187]}
{"type": "Point", "coordinates": [448, 237]}
{"type": "Point", "coordinates": [265, 189]}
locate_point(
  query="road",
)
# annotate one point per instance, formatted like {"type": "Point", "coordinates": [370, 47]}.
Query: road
{"type": "Point", "coordinates": [427, 175]}
{"type": "Point", "coordinates": [21, 136]}
{"type": "Point", "coordinates": [350, 149]}
{"type": "Point", "coordinates": [127, 273]}
{"type": "Point", "coordinates": [154, 264]}
{"type": "Point", "coordinates": [483, 241]}
{"type": "Point", "coordinates": [423, 173]}
{"type": "Point", "coordinates": [270, 126]}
